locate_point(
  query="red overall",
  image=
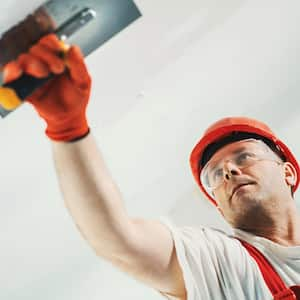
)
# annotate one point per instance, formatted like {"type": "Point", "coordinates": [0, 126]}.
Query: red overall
{"type": "Point", "coordinates": [275, 284]}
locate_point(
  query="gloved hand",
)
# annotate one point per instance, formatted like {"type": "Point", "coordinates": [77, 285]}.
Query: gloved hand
{"type": "Point", "coordinates": [62, 101]}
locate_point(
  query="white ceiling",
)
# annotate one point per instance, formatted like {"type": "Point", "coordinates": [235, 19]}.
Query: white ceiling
{"type": "Point", "coordinates": [157, 86]}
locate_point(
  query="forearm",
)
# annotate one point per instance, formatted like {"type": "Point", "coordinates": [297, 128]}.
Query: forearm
{"type": "Point", "coordinates": [91, 196]}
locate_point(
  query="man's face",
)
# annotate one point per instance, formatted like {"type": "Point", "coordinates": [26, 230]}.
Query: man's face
{"type": "Point", "coordinates": [248, 179]}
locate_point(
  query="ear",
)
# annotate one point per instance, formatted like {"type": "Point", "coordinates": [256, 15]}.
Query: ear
{"type": "Point", "coordinates": [290, 174]}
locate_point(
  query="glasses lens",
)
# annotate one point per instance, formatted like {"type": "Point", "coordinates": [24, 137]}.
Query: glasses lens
{"type": "Point", "coordinates": [212, 175]}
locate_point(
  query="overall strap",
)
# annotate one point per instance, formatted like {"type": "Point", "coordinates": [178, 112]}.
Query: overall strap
{"type": "Point", "coordinates": [275, 284]}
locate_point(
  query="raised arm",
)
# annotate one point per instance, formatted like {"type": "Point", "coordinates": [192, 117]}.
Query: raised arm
{"type": "Point", "coordinates": [97, 208]}
{"type": "Point", "coordinates": [143, 249]}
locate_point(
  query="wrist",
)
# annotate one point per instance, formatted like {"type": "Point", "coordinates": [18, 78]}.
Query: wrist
{"type": "Point", "coordinates": [80, 137]}
{"type": "Point", "coordinates": [68, 130]}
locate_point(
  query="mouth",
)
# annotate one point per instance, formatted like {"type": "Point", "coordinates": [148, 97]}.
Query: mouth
{"type": "Point", "coordinates": [240, 186]}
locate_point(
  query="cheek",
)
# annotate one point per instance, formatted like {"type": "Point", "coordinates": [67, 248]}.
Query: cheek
{"type": "Point", "coordinates": [271, 179]}
{"type": "Point", "coordinates": [222, 200]}
{"type": "Point", "coordinates": [219, 196]}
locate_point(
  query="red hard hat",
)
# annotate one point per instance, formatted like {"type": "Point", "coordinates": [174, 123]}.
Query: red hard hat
{"type": "Point", "coordinates": [227, 126]}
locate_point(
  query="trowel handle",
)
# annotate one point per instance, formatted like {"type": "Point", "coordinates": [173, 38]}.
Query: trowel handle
{"type": "Point", "coordinates": [14, 93]}
{"type": "Point", "coordinates": [26, 85]}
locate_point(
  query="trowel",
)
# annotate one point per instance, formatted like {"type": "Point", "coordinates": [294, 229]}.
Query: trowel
{"type": "Point", "coordinates": [86, 23]}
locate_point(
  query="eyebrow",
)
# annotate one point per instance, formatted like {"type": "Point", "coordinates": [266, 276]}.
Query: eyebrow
{"type": "Point", "coordinates": [239, 149]}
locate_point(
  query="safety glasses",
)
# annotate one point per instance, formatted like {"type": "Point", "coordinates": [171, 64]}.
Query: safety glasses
{"type": "Point", "coordinates": [242, 154]}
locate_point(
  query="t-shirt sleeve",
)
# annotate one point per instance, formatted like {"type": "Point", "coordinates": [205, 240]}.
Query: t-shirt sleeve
{"type": "Point", "coordinates": [213, 263]}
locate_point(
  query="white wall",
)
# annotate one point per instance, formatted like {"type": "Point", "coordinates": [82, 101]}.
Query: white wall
{"type": "Point", "coordinates": [157, 86]}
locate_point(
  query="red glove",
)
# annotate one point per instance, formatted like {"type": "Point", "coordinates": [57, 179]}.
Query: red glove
{"type": "Point", "coordinates": [62, 101]}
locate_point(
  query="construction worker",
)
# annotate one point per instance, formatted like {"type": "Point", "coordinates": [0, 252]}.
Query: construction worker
{"type": "Point", "coordinates": [240, 165]}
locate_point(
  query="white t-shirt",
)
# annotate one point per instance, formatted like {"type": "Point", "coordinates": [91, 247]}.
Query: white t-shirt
{"type": "Point", "coordinates": [216, 266]}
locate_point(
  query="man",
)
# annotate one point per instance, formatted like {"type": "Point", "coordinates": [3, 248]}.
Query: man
{"type": "Point", "coordinates": [239, 164]}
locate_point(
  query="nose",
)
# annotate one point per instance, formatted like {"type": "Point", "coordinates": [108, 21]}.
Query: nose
{"type": "Point", "coordinates": [230, 170]}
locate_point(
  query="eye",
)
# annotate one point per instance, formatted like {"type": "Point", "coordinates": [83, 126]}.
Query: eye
{"type": "Point", "coordinates": [218, 174]}
{"type": "Point", "coordinates": [243, 157]}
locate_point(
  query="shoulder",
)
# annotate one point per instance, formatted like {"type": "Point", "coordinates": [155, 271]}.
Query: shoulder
{"type": "Point", "coordinates": [201, 236]}
{"type": "Point", "coordinates": [210, 257]}
{"type": "Point", "coordinates": [202, 245]}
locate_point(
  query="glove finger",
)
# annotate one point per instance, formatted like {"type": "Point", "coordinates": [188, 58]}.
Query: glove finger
{"type": "Point", "coordinates": [77, 68]}
{"type": "Point", "coordinates": [49, 57]}
{"type": "Point", "coordinates": [51, 41]}
{"type": "Point", "coordinates": [35, 97]}
{"type": "Point", "coordinates": [12, 71]}
{"type": "Point", "coordinates": [33, 66]}
{"type": "Point", "coordinates": [38, 95]}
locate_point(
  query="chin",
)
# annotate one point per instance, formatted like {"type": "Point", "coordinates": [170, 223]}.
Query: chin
{"type": "Point", "coordinates": [250, 197]}
{"type": "Point", "coordinates": [245, 205]}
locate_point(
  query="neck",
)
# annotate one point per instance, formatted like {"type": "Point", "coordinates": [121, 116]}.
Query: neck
{"type": "Point", "coordinates": [282, 227]}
